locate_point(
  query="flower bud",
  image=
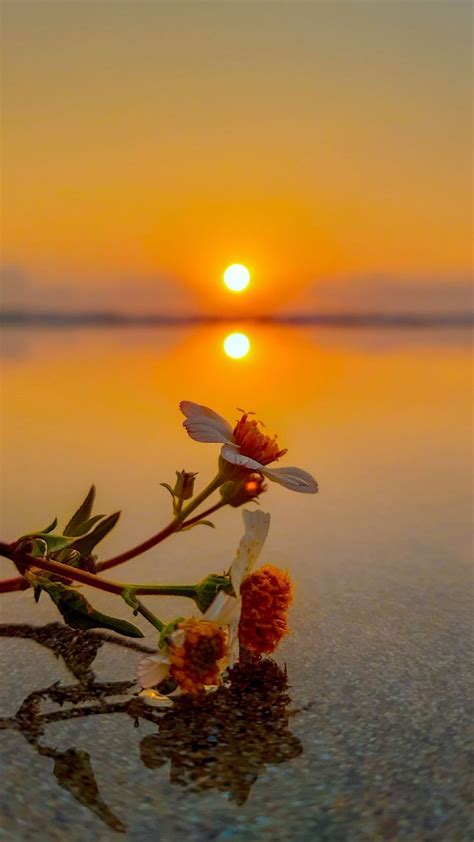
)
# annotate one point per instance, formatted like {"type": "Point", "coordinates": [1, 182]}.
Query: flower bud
{"type": "Point", "coordinates": [239, 493]}
{"type": "Point", "coordinates": [184, 488]}
{"type": "Point", "coordinates": [208, 589]}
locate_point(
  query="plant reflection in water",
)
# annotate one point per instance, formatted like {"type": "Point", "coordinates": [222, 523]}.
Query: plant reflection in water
{"type": "Point", "coordinates": [222, 741]}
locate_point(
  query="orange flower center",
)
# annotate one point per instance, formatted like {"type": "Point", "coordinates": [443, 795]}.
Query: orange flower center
{"type": "Point", "coordinates": [255, 444]}
{"type": "Point", "coordinates": [266, 598]}
{"type": "Point", "coordinates": [198, 661]}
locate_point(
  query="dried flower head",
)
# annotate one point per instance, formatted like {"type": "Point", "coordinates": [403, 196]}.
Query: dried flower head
{"type": "Point", "coordinates": [266, 597]}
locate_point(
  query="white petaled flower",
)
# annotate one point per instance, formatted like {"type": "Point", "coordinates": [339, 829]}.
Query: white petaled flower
{"type": "Point", "coordinates": [194, 655]}
{"type": "Point", "coordinates": [245, 445]}
{"type": "Point", "coordinates": [226, 608]}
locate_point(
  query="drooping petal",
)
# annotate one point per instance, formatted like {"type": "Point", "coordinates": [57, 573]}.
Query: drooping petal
{"type": "Point", "coordinates": [203, 424]}
{"type": "Point", "coordinates": [231, 453]}
{"type": "Point", "coordinates": [257, 525]}
{"type": "Point", "coordinates": [234, 636]}
{"type": "Point", "coordinates": [223, 609]}
{"type": "Point", "coordinates": [293, 478]}
{"type": "Point", "coordinates": [153, 669]}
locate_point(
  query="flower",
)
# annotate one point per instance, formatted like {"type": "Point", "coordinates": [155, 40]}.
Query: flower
{"type": "Point", "coordinates": [245, 446]}
{"type": "Point", "coordinates": [257, 611]}
{"type": "Point", "coordinates": [197, 651]}
{"type": "Point", "coordinates": [194, 656]}
{"type": "Point", "coordinates": [266, 597]}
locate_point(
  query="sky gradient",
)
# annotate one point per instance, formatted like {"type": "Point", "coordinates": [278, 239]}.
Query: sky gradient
{"type": "Point", "coordinates": [147, 145]}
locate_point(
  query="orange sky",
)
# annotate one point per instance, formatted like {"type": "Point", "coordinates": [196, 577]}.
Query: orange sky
{"type": "Point", "coordinates": [158, 142]}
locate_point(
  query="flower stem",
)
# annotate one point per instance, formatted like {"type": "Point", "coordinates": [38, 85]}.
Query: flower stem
{"type": "Point", "coordinates": [139, 549]}
{"type": "Point", "coordinates": [204, 514]}
{"type": "Point", "coordinates": [152, 618]}
{"type": "Point", "coordinates": [165, 590]}
{"type": "Point", "coordinates": [17, 583]}
{"type": "Point", "coordinates": [26, 560]}
{"type": "Point", "coordinates": [174, 526]}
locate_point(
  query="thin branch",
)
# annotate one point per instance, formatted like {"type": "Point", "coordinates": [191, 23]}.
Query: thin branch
{"type": "Point", "coordinates": [17, 583]}
{"type": "Point", "coordinates": [85, 578]}
{"type": "Point", "coordinates": [174, 526]}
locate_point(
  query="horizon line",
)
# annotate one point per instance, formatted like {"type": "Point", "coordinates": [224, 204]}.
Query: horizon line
{"type": "Point", "coordinates": [107, 318]}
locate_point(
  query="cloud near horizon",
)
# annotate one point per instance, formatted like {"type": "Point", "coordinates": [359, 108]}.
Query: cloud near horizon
{"type": "Point", "coordinates": [21, 291]}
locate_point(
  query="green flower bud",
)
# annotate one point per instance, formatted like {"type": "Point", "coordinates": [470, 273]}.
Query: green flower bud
{"type": "Point", "coordinates": [184, 488]}
{"type": "Point", "coordinates": [239, 493]}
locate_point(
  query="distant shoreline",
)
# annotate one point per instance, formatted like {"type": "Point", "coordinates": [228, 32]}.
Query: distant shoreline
{"type": "Point", "coordinates": [109, 319]}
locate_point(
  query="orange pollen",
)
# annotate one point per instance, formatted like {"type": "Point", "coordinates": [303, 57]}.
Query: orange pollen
{"type": "Point", "coordinates": [200, 658]}
{"type": "Point", "coordinates": [266, 598]}
{"type": "Point", "coordinates": [255, 444]}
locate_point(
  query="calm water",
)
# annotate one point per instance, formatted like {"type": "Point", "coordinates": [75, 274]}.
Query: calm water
{"type": "Point", "coordinates": [369, 740]}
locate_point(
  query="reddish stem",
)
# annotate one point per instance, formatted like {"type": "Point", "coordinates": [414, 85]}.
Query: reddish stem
{"type": "Point", "coordinates": [174, 526]}
{"type": "Point", "coordinates": [25, 560]}
{"type": "Point", "coordinates": [17, 583]}
{"type": "Point", "coordinates": [141, 548]}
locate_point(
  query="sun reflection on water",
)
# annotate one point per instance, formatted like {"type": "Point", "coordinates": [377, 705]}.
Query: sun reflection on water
{"type": "Point", "coordinates": [237, 345]}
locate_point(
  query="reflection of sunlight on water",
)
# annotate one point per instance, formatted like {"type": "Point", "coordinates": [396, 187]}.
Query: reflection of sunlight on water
{"type": "Point", "coordinates": [236, 345]}
{"type": "Point", "coordinates": [327, 394]}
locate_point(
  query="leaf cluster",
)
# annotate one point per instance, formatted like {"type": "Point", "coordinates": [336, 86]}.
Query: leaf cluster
{"type": "Point", "coordinates": [74, 547]}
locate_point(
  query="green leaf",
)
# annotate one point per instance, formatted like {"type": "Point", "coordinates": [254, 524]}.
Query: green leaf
{"type": "Point", "coordinates": [51, 526]}
{"type": "Point", "coordinates": [86, 526]}
{"type": "Point", "coordinates": [83, 513]}
{"type": "Point", "coordinates": [53, 543]}
{"type": "Point", "coordinates": [79, 613]}
{"type": "Point", "coordinates": [198, 523]}
{"type": "Point", "coordinates": [68, 556]}
{"type": "Point", "coordinates": [86, 544]}
{"type": "Point", "coordinates": [168, 488]}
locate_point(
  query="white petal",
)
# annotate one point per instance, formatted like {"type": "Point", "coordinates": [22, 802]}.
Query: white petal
{"type": "Point", "coordinates": [231, 453]}
{"type": "Point", "coordinates": [155, 699]}
{"type": "Point", "coordinates": [233, 645]}
{"type": "Point", "coordinates": [203, 424]}
{"type": "Point", "coordinates": [293, 478]}
{"type": "Point", "coordinates": [223, 609]}
{"type": "Point", "coordinates": [257, 525]}
{"type": "Point", "coordinates": [178, 637]}
{"type": "Point", "coordinates": [152, 669]}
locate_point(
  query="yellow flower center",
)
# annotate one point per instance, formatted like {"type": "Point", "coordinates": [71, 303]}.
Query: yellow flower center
{"type": "Point", "coordinates": [255, 444]}
{"type": "Point", "coordinates": [200, 658]}
{"type": "Point", "coordinates": [266, 597]}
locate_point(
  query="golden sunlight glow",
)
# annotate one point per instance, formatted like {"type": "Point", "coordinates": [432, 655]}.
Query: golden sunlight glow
{"type": "Point", "coordinates": [236, 345]}
{"type": "Point", "coordinates": [237, 277]}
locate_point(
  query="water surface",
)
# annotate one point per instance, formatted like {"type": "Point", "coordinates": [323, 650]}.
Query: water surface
{"type": "Point", "coordinates": [369, 740]}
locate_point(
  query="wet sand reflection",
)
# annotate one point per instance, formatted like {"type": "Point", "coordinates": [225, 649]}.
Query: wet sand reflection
{"type": "Point", "coordinates": [222, 741]}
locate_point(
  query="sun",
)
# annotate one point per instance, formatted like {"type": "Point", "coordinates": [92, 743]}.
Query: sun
{"type": "Point", "coordinates": [236, 277]}
{"type": "Point", "coordinates": [236, 345]}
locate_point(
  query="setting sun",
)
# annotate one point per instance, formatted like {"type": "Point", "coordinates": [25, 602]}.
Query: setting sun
{"type": "Point", "coordinates": [237, 277]}
{"type": "Point", "coordinates": [236, 345]}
